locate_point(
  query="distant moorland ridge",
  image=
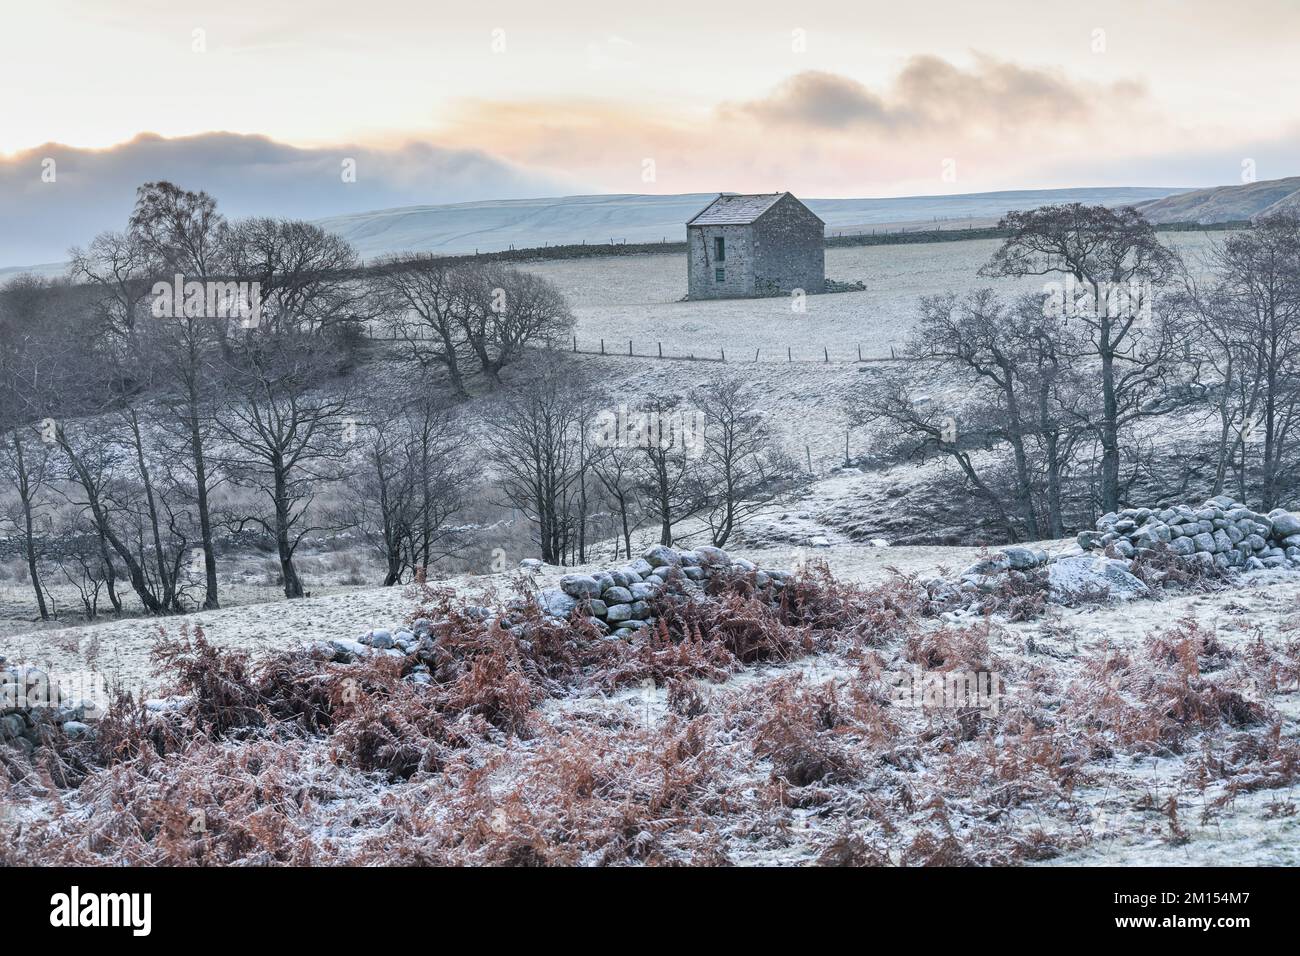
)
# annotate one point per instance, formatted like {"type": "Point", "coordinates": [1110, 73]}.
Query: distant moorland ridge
{"type": "Point", "coordinates": [1226, 203]}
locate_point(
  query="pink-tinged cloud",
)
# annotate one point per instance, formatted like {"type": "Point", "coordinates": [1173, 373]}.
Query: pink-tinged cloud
{"type": "Point", "coordinates": [999, 124]}
{"type": "Point", "coordinates": [932, 95]}
{"type": "Point", "coordinates": [936, 127]}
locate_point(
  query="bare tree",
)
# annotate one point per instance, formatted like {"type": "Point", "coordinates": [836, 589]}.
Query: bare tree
{"type": "Point", "coordinates": [912, 427]}
{"type": "Point", "coordinates": [617, 472]}
{"type": "Point", "coordinates": [183, 355]}
{"type": "Point", "coordinates": [1054, 390]}
{"type": "Point", "coordinates": [424, 295]}
{"type": "Point", "coordinates": [1118, 265]}
{"type": "Point", "coordinates": [1258, 275]}
{"type": "Point", "coordinates": [504, 310]}
{"type": "Point", "coordinates": [536, 440]}
{"type": "Point", "coordinates": [672, 484]}
{"type": "Point", "coordinates": [740, 458]}
{"type": "Point", "coordinates": [1218, 357]}
{"type": "Point", "coordinates": [56, 369]}
{"type": "Point", "coordinates": [303, 273]}
{"type": "Point", "coordinates": [96, 461]}
{"type": "Point", "coordinates": [119, 266]}
{"type": "Point", "coordinates": [382, 505]}
{"type": "Point", "coordinates": [285, 435]}
{"type": "Point", "coordinates": [25, 461]}
{"type": "Point", "coordinates": [976, 335]}
{"type": "Point", "coordinates": [450, 314]}
{"type": "Point", "coordinates": [79, 557]}
{"type": "Point", "coordinates": [411, 487]}
{"type": "Point", "coordinates": [180, 231]}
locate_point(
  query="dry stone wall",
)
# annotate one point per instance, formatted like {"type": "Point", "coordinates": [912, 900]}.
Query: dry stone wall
{"type": "Point", "coordinates": [1220, 531]}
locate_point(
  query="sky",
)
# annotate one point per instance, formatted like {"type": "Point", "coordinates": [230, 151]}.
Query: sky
{"type": "Point", "coordinates": [435, 102]}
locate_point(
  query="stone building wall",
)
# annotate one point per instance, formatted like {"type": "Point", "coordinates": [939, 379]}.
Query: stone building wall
{"type": "Point", "coordinates": [738, 266]}
{"type": "Point", "coordinates": [790, 250]}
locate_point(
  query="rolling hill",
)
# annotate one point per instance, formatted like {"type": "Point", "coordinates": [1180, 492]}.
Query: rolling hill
{"type": "Point", "coordinates": [492, 226]}
{"type": "Point", "coordinates": [1226, 203]}
{"type": "Point", "coordinates": [495, 225]}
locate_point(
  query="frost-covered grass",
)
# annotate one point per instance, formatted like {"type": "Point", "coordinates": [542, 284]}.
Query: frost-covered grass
{"type": "Point", "coordinates": [638, 297]}
{"type": "Point", "coordinates": [741, 731]}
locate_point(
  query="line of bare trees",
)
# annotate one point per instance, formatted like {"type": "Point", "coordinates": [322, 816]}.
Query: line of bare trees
{"type": "Point", "coordinates": [139, 434]}
{"type": "Point", "coordinates": [136, 441]}
{"type": "Point", "coordinates": [571, 460]}
{"type": "Point", "coordinates": [1056, 406]}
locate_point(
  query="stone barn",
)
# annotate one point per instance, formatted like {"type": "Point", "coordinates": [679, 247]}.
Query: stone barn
{"type": "Point", "coordinates": [768, 244]}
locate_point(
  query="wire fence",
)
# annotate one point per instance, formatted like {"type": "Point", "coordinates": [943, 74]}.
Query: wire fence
{"type": "Point", "coordinates": [825, 357]}
{"type": "Point", "coordinates": [608, 348]}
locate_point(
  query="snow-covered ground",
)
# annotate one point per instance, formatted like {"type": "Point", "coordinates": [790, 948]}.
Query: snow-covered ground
{"type": "Point", "coordinates": [493, 225]}
{"type": "Point", "coordinates": [833, 521]}
{"type": "Point", "coordinates": [1121, 801]}
{"type": "Point", "coordinates": [639, 298]}
{"type": "Point", "coordinates": [120, 648]}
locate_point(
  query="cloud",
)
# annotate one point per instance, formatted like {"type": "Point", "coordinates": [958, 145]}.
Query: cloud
{"type": "Point", "coordinates": [94, 190]}
{"type": "Point", "coordinates": [931, 96]}
{"type": "Point", "coordinates": [997, 124]}
{"type": "Point", "coordinates": [990, 123]}
{"type": "Point", "coordinates": [935, 127]}
{"type": "Point", "coordinates": [817, 99]}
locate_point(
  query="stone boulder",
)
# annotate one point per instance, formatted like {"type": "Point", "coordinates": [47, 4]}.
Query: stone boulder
{"type": "Point", "coordinates": [1022, 559]}
{"type": "Point", "coordinates": [556, 603]}
{"type": "Point", "coordinates": [662, 556]}
{"type": "Point", "coordinates": [1088, 576]}
{"type": "Point", "coordinates": [581, 586]}
{"type": "Point", "coordinates": [617, 595]}
{"type": "Point", "coordinates": [1285, 524]}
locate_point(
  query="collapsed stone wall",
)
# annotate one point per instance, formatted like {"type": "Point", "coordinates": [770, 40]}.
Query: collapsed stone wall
{"type": "Point", "coordinates": [31, 700]}
{"type": "Point", "coordinates": [617, 600]}
{"type": "Point", "coordinates": [1066, 577]}
{"type": "Point", "coordinates": [1220, 535]}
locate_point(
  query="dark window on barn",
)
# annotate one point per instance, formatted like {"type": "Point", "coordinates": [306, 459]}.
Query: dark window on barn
{"type": "Point", "coordinates": [719, 249]}
{"type": "Point", "coordinates": [720, 275]}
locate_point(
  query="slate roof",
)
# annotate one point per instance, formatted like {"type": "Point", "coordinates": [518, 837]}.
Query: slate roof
{"type": "Point", "coordinates": [731, 209]}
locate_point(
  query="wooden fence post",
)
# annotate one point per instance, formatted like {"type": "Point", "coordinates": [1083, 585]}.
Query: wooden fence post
{"type": "Point", "coordinates": [827, 353]}
{"type": "Point", "coordinates": [629, 347]}
{"type": "Point", "coordinates": [724, 355]}
{"type": "Point", "coordinates": [755, 355]}
{"type": "Point", "coordinates": [661, 350]}
{"type": "Point", "coordinates": [788, 356]}
{"type": "Point", "coordinates": [575, 343]}
{"type": "Point", "coordinates": [602, 346]}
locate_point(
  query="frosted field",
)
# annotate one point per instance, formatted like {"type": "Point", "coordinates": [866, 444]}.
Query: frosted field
{"type": "Point", "coordinates": [1116, 819]}
{"type": "Point", "coordinates": [637, 297]}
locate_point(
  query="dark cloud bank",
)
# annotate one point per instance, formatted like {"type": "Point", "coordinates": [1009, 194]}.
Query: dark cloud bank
{"type": "Point", "coordinates": [250, 175]}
